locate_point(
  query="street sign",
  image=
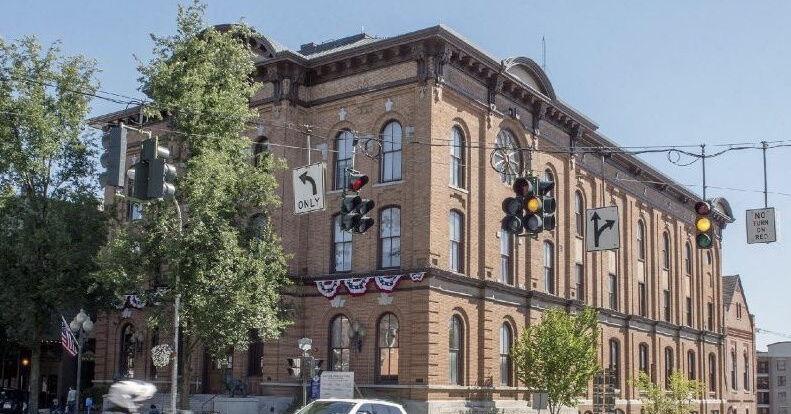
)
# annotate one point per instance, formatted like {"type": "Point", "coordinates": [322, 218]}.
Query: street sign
{"type": "Point", "coordinates": [761, 226]}
{"type": "Point", "coordinates": [337, 384]}
{"type": "Point", "coordinates": [601, 229]}
{"type": "Point", "coordinates": [308, 186]}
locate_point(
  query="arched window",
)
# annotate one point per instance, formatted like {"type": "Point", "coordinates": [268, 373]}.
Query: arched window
{"type": "Point", "coordinates": [457, 158]}
{"type": "Point", "coordinates": [260, 149]}
{"type": "Point", "coordinates": [579, 214]}
{"type": "Point", "coordinates": [255, 351]}
{"type": "Point", "coordinates": [506, 366]}
{"type": "Point", "coordinates": [549, 267]}
{"type": "Point", "coordinates": [456, 236]}
{"type": "Point", "coordinates": [341, 246]}
{"type": "Point", "coordinates": [391, 152]}
{"type": "Point", "coordinates": [615, 361]}
{"type": "Point", "coordinates": [688, 258]}
{"type": "Point", "coordinates": [669, 365]}
{"type": "Point", "coordinates": [506, 264]}
{"type": "Point", "coordinates": [548, 176]}
{"type": "Point", "coordinates": [126, 356]}
{"type": "Point", "coordinates": [691, 365]}
{"type": "Point", "coordinates": [387, 348]}
{"type": "Point", "coordinates": [390, 238]}
{"type": "Point", "coordinates": [456, 351]}
{"type": "Point", "coordinates": [340, 341]}
{"type": "Point", "coordinates": [641, 240]}
{"type": "Point", "coordinates": [746, 372]}
{"type": "Point", "coordinates": [507, 157]}
{"type": "Point", "coordinates": [666, 251]}
{"type": "Point", "coordinates": [343, 158]}
{"type": "Point", "coordinates": [643, 359]}
{"type": "Point", "coordinates": [733, 369]}
{"type": "Point", "coordinates": [712, 372]}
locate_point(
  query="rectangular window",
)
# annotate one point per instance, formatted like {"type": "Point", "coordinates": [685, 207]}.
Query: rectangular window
{"type": "Point", "coordinates": [763, 383]}
{"type": "Point", "coordinates": [456, 224]}
{"type": "Point", "coordinates": [580, 270]}
{"type": "Point", "coordinates": [343, 158]}
{"type": "Point", "coordinates": [710, 321]}
{"type": "Point", "coordinates": [342, 247]}
{"type": "Point", "coordinates": [457, 158]}
{"type": "Point", "coordinates": [763, 367]}
{"type": "Point", "coordinates": [613, 292]}
{"type": "Point", "coordinates": [391, 152]}
{"type": "Point", "coordinates": [781, 381]}
{"type": "Point", "coordinates": [689, 310]}
{"type": "Point", "coordinates": [667, 305]}
{"type": "Point", "coordinates": [506, 275]}
{"type": "Point", "coordinates": [642, 299]}
{"type": "Point", "coordinates": [781, 396]}
{"type": "Point", "coordinates": [549, 267]}
{"type": "Point", "coordinates": [763, 398]}
{"type": "Point", "coordinates": [781, 365]}
{"type": "Point", "coordinates": [390, 238]}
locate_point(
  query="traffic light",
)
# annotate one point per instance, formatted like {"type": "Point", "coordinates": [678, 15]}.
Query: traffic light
{"type": "Point", "coordinates": [295, 367]}
{"type": "Point", "coordinates": [548, 203]}
{"type": "Point", "coordinates": [353, 207]}
{"type": "Point", "coordinates": [153, 174]}
{"type": "Point", "coordinates": [113, 158]}
{"type": "Point", "coordinates": [316, 368]}
{"type": "Point", "coordinates": [703, 225]}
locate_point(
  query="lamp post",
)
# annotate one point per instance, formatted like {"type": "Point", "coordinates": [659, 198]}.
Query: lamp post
{"type": "Point", "coordinates": [82, 326]}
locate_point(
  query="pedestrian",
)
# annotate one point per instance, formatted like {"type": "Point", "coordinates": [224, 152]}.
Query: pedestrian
{"type": "Point", "coordinates": [153, 409]}
{"type": "Point", "coordinates": [71, 401]}
{"type": "Point", "coordinates": [54, 409]}
{"type": "Point", "coordinates": [88, 404]}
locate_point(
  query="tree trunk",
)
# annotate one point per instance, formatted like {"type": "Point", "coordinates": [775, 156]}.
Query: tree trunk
{"type": "Point", "coordinates": [35, 385]}
{"type": "Point", "coordinates": [186, 373]}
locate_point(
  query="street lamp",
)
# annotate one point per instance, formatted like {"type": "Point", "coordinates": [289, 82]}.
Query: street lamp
{"type": "Point", "coordinates": [82, 326]}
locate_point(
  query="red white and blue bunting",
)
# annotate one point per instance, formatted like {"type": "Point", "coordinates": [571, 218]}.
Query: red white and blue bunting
{"type": "Point", "coordinates": [358, 286]}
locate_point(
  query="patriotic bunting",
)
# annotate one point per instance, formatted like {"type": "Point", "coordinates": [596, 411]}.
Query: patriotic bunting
{"type": "Point", "coordinates": [358, 286]}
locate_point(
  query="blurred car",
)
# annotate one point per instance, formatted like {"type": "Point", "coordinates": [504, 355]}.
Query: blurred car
{"type": "Point", "coordinates": [12, 401]}
{"type": "Point", "coordinates": [344, 406]}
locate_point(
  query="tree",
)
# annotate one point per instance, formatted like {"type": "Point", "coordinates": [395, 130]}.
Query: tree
{"type": "Point", "coordinates": [676, 399]}
{"type": "Point", "coordinates": [51, 226]}
{"type": "Point", "coordinates": [558, 356]}
{"type": "Point", "coordinates": [229, 274]}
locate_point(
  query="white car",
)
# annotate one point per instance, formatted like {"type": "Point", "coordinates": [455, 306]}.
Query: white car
{"type": "Point", "coordinates": [341, 406]}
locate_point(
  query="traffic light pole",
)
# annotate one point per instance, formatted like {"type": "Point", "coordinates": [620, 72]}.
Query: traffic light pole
{"type": "Point", "coordinates": [766, 195]}
{"type": "Point", "coordinates": [703, 161]}
{"type": "Point", "coordinates": [176, 303]}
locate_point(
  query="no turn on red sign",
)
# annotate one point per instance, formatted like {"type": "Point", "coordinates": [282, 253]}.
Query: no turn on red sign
{"type": "Point", "coordinates": [761, 226]}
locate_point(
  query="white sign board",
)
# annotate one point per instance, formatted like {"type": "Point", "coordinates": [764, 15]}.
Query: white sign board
{"type": "Point", "coordinates": [761, 226]}
{"type": "Point", "coordinates": [337, 384]}
{"type": "Point", "coordinates": [309, 188]}
{"type": "Point", "coordinates": [601, 229]}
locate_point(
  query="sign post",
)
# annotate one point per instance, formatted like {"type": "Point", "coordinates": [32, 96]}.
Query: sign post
{"type": "Point", "coordinates": [308, 184]}
{"type": "Point", "coordinates": [601, 229]}
{"type": "Point", "coordinates": [761, 225]}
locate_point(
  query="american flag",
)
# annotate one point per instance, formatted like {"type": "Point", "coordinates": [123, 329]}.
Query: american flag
{"type": "Point", "coordinates": [67, 338]}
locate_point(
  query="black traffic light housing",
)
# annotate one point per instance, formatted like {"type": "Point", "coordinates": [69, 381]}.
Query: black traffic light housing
{"type": "Point", "coordinates": [113, 159]}
{"type": "Point", "coordinates": [703, 225]}
{"type": "Point", "coordinates": [353, 207]}
{"type": "Point", "coordinates": [525, 211]}
{"type": "Point", "coordinates": [153, 174]}
{"type": "Point", "coordinates": [548, 204]}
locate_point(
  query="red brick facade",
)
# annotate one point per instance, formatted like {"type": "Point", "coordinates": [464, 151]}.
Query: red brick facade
{"type": "Point", "coordinates": [431, 82]}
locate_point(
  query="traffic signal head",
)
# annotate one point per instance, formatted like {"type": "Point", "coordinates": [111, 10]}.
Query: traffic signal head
{"type": "Point", "coordinates": [294, 367]}
{"type": "Point", "coordinates": [523, 187]}
{"type": "Point", "coordinates": [357, 181]}
{"type": "Point", "coordinates": [512, 224]}
{"type": "Point", "coordinates": [533, 223]}
{"type": "Point", "coordinates": [160, 174]}
{"type": "Point", "coordinates": [548, 204]}
{"type": "Point", "coordinates": [353, 213]}
{"type": "Point", "coordinates": [533, 205]}
{"type": "Point", "coordinates": [113, 159]}
{"type": "Point", "coordinates": [703, 225]}
{"type": "Point", "coordinates": [512, 206]}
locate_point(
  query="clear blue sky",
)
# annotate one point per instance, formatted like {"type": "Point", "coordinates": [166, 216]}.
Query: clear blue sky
{"type": "Point", "coordinates": [649, 73]}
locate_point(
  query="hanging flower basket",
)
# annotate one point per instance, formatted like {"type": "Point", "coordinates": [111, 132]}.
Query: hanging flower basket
{"type": "Point", "coordinates": [160, 355]}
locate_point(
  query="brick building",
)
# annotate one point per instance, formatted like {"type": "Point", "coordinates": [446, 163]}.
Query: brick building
{"type": "Point", "coordinates": [425, 306]}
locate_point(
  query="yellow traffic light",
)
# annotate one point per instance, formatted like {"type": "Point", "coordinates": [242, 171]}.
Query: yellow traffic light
{"type": "Point", "coordinates": [533, 205]}
{"type": "Point", "coordinates": [703, 224]}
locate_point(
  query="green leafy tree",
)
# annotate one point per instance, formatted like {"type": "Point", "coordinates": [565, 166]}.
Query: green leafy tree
{"type": "Point", "coordinates": [558, 356]}
{"type": "Point", "coordinates": [677, 398]}
{"type": "Point", "coordinates": [51, 226]}
{"type": "Point", "coordinates": [228, 273]}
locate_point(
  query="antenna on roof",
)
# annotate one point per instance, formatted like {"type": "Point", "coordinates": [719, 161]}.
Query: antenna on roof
{"type": "Point", "coordinates": [362, 29]}
{"type": "Point", "coordinates": [543, 53]}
